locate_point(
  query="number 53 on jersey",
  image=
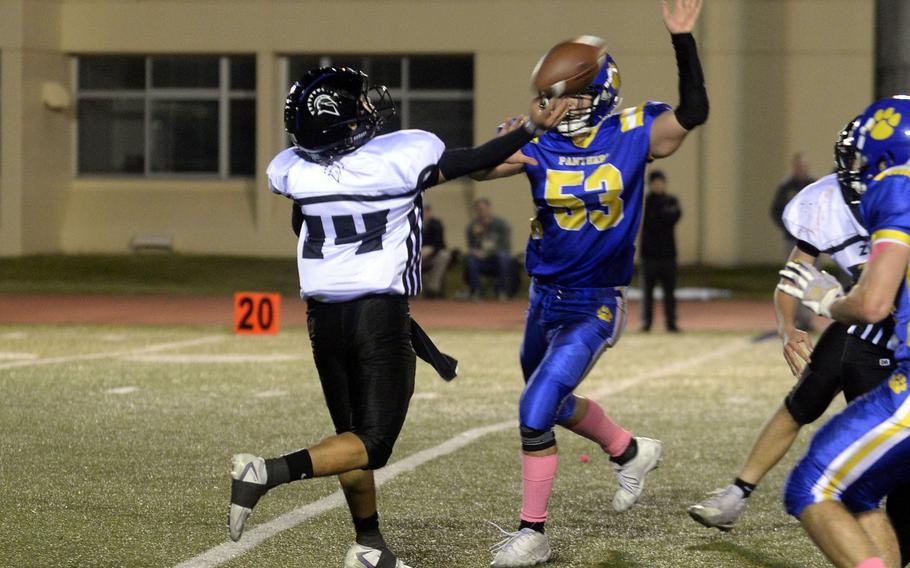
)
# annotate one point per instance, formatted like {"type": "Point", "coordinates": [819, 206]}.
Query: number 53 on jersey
{"type": "Point", "coordinates": [565, 190]}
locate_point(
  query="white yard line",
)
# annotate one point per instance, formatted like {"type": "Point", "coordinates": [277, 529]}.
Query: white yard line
{"type": "Point", "coordinates": [113, 354]}
{"type": "Point", "coordinates": [258, 534]}
{"type": "Point", "coordinates": [208, 358]}
{"type": "Point", "coordinates": [9, 355]}
{"type": "Point", "coordinates": [122, 390]}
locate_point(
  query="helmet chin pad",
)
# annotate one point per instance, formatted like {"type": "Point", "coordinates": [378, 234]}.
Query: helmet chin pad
{"type": "Point", "coordinates": [576, 122]}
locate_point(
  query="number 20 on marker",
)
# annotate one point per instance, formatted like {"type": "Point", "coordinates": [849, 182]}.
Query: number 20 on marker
{"type": "Point", "coordinates": [256, 313]}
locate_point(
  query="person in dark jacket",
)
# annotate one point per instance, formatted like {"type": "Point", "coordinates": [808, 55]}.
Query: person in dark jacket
{"type": "Point", "coordinates": [658, 249]}
{"type": "Point", "coordinates": [799, 178]}
{"type": "Point", "coordinates": [436, 257]}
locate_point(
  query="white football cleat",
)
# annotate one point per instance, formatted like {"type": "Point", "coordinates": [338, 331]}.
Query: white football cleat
{"type": "Point", "coordinates": [525, 547]}
{"type": "Point", "coordinates": [631, 475]}
{"type": "Point", "coordinates": [721, 509]}
{"type": "Point", "coordinates": [248, 484]}
{"type": "Point", "coordinates": [360, 556]}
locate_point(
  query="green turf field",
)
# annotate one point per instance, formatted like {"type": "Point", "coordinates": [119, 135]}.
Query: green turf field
{"type": "Point", "coordinates": [181, 274]}
{"type": "Point", "coordinates": [115, 448]}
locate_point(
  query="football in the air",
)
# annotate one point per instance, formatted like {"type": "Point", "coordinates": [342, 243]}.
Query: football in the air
{"type": "Point", "coordinates": [569, 66]}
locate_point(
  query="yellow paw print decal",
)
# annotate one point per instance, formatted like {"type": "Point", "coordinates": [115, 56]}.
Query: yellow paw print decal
{"type": "Point", "coordinates": [605, 314]}
{"type": "Point", "coordinates": [885, 121]}
{"type": "Point", "coordinates": [898, 383]}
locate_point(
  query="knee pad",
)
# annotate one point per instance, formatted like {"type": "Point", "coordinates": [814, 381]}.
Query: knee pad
{"type": "Point", "coordinates": [535, 440]}
{"type": "Point", "coordinates": [379, 449]}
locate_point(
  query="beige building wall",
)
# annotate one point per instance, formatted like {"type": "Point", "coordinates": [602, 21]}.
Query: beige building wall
{"type": "Point", "coordinates": [783, 75]}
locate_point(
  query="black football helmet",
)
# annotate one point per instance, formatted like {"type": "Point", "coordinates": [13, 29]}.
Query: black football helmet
{"type": "Point", "coordinates": [330, 112]}
{"type": "Point", "coordinates": [846, 163]}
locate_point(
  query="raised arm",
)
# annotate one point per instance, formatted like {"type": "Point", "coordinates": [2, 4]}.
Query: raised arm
{"type": "Point", "coordinates": [670, 128]}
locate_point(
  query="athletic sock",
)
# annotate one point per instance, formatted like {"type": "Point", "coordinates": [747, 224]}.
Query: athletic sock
{"type": "Point", "coordinates": [871, 563]}
{"type": "Point", "coordinates": [597, 426]}
{"type": "Point", "coordinates": [746, 487]}
{"type": "Point", "coordinates": [368, 532]}
{"type": "Point", "coordinates": [628, 454]}
{"type": "Point", "coordinates": [539, 527]}
{"type": "Point", "coordinates": [537, 473]}
{"type": "Point", "coordinates": [288, 468]}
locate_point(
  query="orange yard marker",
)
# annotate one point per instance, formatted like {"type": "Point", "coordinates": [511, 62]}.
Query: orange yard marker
{"type": "Point", "coordinates": [256, 313]}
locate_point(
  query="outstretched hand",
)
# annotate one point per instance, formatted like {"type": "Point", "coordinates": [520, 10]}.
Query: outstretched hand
{"type": "Point", "coordinates": [547, 113]}
{"type": "Point", "coordinates": [682, 17]}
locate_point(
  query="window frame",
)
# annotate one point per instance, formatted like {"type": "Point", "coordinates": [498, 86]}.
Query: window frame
{"type": "Point", "coordinates": [223, 94]}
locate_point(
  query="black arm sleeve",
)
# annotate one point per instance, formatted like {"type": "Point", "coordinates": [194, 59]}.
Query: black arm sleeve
{"type": "Point", "coordinates": [462, 161]}
{"type": "Point", "coordinates": [693, 98]}
{"type": "Point", "coordinates": [296, 218]}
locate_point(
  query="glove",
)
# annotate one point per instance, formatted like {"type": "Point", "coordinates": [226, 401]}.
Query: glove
{"type": "Point", "coordinates": [815, 288]}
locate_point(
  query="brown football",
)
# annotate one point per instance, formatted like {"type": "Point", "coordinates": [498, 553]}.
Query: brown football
{"type": "Point", "coordinates": [569, 66]}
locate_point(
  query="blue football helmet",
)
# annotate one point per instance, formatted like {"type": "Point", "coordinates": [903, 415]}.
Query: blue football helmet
{"type": "Point", "coordinates": [330, 112]}
{"type": "Point", "coordinates": [883, 136]}
{"type": "Point", "coordinates": [603, 93]}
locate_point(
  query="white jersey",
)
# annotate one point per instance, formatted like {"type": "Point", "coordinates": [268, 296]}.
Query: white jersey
{"type": "Point", "coordinates": [822, 222]}
{"type": "Point", "coordinates": [819, 217]}
{"type": "Point", "coordinates": [362, 219]}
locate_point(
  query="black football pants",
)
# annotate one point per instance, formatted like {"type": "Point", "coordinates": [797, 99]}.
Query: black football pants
{"type": "Point", "coordinates": [366, 365]}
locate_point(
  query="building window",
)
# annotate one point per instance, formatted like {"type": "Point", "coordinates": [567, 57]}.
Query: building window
{"type": "Point", "coordinates": [166, 115]}
{"type": "Point", "coordinates": [431, 92]}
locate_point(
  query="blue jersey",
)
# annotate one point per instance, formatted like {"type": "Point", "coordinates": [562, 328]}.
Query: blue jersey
{"type": "Point", "coordinates": [588, 197]}
{"type": "Point", "coordinates": [885, 208]}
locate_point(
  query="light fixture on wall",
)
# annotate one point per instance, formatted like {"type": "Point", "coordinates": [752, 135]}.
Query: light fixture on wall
{"type": "Point", "coordinates": [55, 96]}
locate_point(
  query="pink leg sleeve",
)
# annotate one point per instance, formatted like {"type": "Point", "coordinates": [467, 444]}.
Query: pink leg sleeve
{"type": "Point", "coordinates": [598, 427]}
{"type": "Point", "coordinates": [537, 474]}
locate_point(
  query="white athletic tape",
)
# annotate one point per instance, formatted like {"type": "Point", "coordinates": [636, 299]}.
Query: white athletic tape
{"type": "Point", "coordinates": [256, 535]}
{"type": "Point", "coordinates": [114, 354]}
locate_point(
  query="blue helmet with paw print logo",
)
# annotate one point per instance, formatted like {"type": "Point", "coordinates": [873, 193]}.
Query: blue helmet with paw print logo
{"type": "Point", "coordinates": [882, 136]}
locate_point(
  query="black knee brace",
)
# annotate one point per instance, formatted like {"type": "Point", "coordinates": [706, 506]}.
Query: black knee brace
{"type": "Point", "coordinates": [535, 440]}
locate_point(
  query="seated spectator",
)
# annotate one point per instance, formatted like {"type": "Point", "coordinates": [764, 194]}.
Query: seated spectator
{"type": "Point", "coordinates": [488, 250]}
{"type": "Point", "coordinates": [436, 257]}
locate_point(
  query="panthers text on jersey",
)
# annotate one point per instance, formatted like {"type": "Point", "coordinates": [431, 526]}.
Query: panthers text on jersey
{"type": "Point", "coordinates": [821, 221]}
{"type": "Point", "coordinates": [362, 220]}
{"type": "Point", "coordinates": [588, 197]}
{"type": "Point", "coordinates": [885, 209]}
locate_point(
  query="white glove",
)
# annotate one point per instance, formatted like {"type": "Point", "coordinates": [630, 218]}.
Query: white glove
{"type": "Point", "coordinates": [815, 288]}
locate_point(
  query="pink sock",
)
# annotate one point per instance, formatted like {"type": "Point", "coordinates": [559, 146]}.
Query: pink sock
{"type": "Point", "coordinates": [598, 427]}
{"type": "Point", "coordinates": [538, 473]}
{"type": "Point", "coordinates": [872, 563]}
